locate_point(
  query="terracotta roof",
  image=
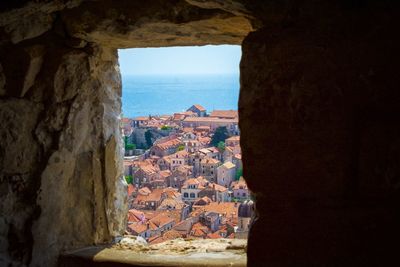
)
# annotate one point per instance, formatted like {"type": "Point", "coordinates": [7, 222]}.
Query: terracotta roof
{"type": "Point", "coordinates": [170, 203]}
{"type": "Point", "coordinates": [187, 129]}
{"type": "Point", "coordinates": [204, 140]}
{"type": "Point", "coordinates": [233, 138]}
{"type": "Point", "coordinates": [226, 209]}
{"type": "Point", "coordinates": [225, 113]}
{"type": "Point", "coordinates": [168, 144]}
{"type": "Point", "coordinates": [137, 227]}
{"type": "Point", "coordinates": [200, 181]}
{"type": "Point", "coordinates": [144, 191]}
{"type": "Point", "coordinates": [136, 216]}
{"type": "Point", "coordinates": [179, 154]}
{"type": "Point", "coordinates": [183, 227]}
{"type": "Point", "coordinates": [199, 107]}
{"type": "Point", "coordinates": [202, 201]}
{"type": "Point", "coordinates": [210, 119]}
{"type": "Point", "coordinates": [237, 184]}
{"type": "Point", "coordinates": [203, 128]}
{"type": "Point", "coordinates": [155, 196]}
{"type": "Point", "coordinates": [172, 234]}
{"type": "Point", "coordinates": [143, 118]}
{"type": "Point", "coordinates": [218, 187]}
{"type": "Point", "coordinates": [165, 173]}
{"type": "Point", "coordinates": [161, 220]}
{"type": "Point", "coordinates": [179, 117]}
{"type": "Point", "coordinates": [131, 189]}
{"type": "Point", "coordinates": [213, 235]}
{"type": "Point", "coordinates": [208, 160]}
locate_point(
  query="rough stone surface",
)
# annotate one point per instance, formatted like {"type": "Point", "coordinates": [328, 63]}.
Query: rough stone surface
{"type": "Point", "coordinates": [318, 111]}
{"type": "Point", "coordinates": [321, 163]}
{"type": "Point", "coordinates": [155, 23]}
{"type": "Point", "coordinates": [178, 252]}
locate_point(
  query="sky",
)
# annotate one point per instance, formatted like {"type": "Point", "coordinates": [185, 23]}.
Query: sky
{"type": "Point", "coordinates": [209, 59]}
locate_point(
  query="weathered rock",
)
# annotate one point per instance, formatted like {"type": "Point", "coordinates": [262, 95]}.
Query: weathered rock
{"type": "Point", "coordinates": [29, 27]}
{"type": "Point", "coordinates": [36, 54]}
{"type": "Point", "coordinates": [20, 150]}
{"type": "Point", "coordinates": [159, 24]}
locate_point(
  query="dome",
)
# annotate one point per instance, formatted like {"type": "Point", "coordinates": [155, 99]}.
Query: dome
{"type": "Point", "coordinates": [246, 209]}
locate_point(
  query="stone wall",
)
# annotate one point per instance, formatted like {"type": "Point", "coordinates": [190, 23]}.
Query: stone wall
{"type": "Point", "coordinates": [318, 111]}
{"type": "Point", "coordinates": [61, 177]}
{"type": "Point", "coordinates": [321, 146]}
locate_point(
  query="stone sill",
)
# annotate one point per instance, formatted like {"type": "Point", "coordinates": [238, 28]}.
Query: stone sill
{"type": "Point", "coordinates": [178, 252]}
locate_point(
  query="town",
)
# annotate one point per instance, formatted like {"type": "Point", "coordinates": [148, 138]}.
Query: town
{"type": "Point", "coordinates": [184, 175]}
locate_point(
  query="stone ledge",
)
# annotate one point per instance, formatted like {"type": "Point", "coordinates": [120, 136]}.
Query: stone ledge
{"type": "Point", "coordinates": [178, 252]}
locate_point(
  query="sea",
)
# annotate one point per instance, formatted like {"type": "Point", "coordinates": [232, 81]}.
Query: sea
{"type": "Point", "coordinates": [166, 94]}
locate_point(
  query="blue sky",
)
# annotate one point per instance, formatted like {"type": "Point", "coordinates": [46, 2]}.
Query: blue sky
{"type": "Point", "coordinates": [210, 59]}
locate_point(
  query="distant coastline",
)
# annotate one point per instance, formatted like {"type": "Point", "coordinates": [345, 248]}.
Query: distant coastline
{"type": "Point", "coordinates": [144, 95]}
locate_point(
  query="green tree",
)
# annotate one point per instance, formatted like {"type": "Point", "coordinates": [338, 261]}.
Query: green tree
{"type": "Point", "coordinates": [239, 173]}
{"type": "Point", "coordinates": [221, 133]}
{"type": "Point", "coordinates": [129, 179]}
{"type": "Point", "coordinates": [165, 127]}
{"type": "Point", "coordinates": [130, 146]}
{"type": "Point", "coordinates": [148, 136]}
{"type": "Point", "coordinates": [180, 148]}
{"type": "Point", "coordinates": [221, 146]}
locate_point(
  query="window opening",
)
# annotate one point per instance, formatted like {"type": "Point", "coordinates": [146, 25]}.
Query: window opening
{"type": "Point", "coordinates": [182, 156]}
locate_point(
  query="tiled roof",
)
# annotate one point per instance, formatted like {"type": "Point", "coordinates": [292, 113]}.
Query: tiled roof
{"type": "Point", "coordinates": [131, 189]}
{"type": "Point", "coordinates": [210, 119]}
{"type": "Point", "coordinates": [135, 216]}
{"type": "Point", "coordinates": [165, 173]}
{"type": "Point", "coordinates": [213, 235]}
{"type": "Point", "coordinates": [144, 191]}
{"type": "Point", "coordinates": [208, 160]}
{"type": "Point", "coordinates": [161, 220]}
{"type": "Point", "coordinates": [169, 143]}
{"type": "Point", "coordinates": [225, 113]}
{"type": "Point", "coordinates": [241, 183]}
{"type": "Point", "coordinates": [218, 187]}
{"type": "Point", "coordinates": [199, 107]}
{"type": "Point", "coordinates": [141, 118]}
{"type": "Point", "coordinates": [172, 234]}
{"type": "Point", "coordinates": [138, 227]}
{"type": "Point", "coordinates": [233, 138]}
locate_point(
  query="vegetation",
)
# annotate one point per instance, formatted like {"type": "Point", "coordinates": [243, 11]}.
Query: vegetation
{"type": "Point", "coordinates": [180, 148]}
{"type": "Point", "coordinates": [148, 136]}
{"type": "Point", "coordinates": [239, 173]}
{"type": "Point", "coordinates": [221, 133]}
{"type": "Point", "coordinates": [128, 145]}
{"type": "Point", "coordinates": [221, 146]}
{"type": "Point", "coordinates": [129, 179]}
{"type": "Point", "coordinates": [165, 127]}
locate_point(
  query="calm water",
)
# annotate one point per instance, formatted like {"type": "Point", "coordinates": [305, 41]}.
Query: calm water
{"type": "Point", "coordinates": [158, 95]}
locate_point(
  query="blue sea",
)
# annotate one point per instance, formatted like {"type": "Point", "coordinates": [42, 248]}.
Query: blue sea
{"type": "Point", "coordinates": [165, 94]}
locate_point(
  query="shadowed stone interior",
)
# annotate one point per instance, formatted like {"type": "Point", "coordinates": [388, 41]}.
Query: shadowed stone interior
{"type": "Point", "coordinates": [319, 119]}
